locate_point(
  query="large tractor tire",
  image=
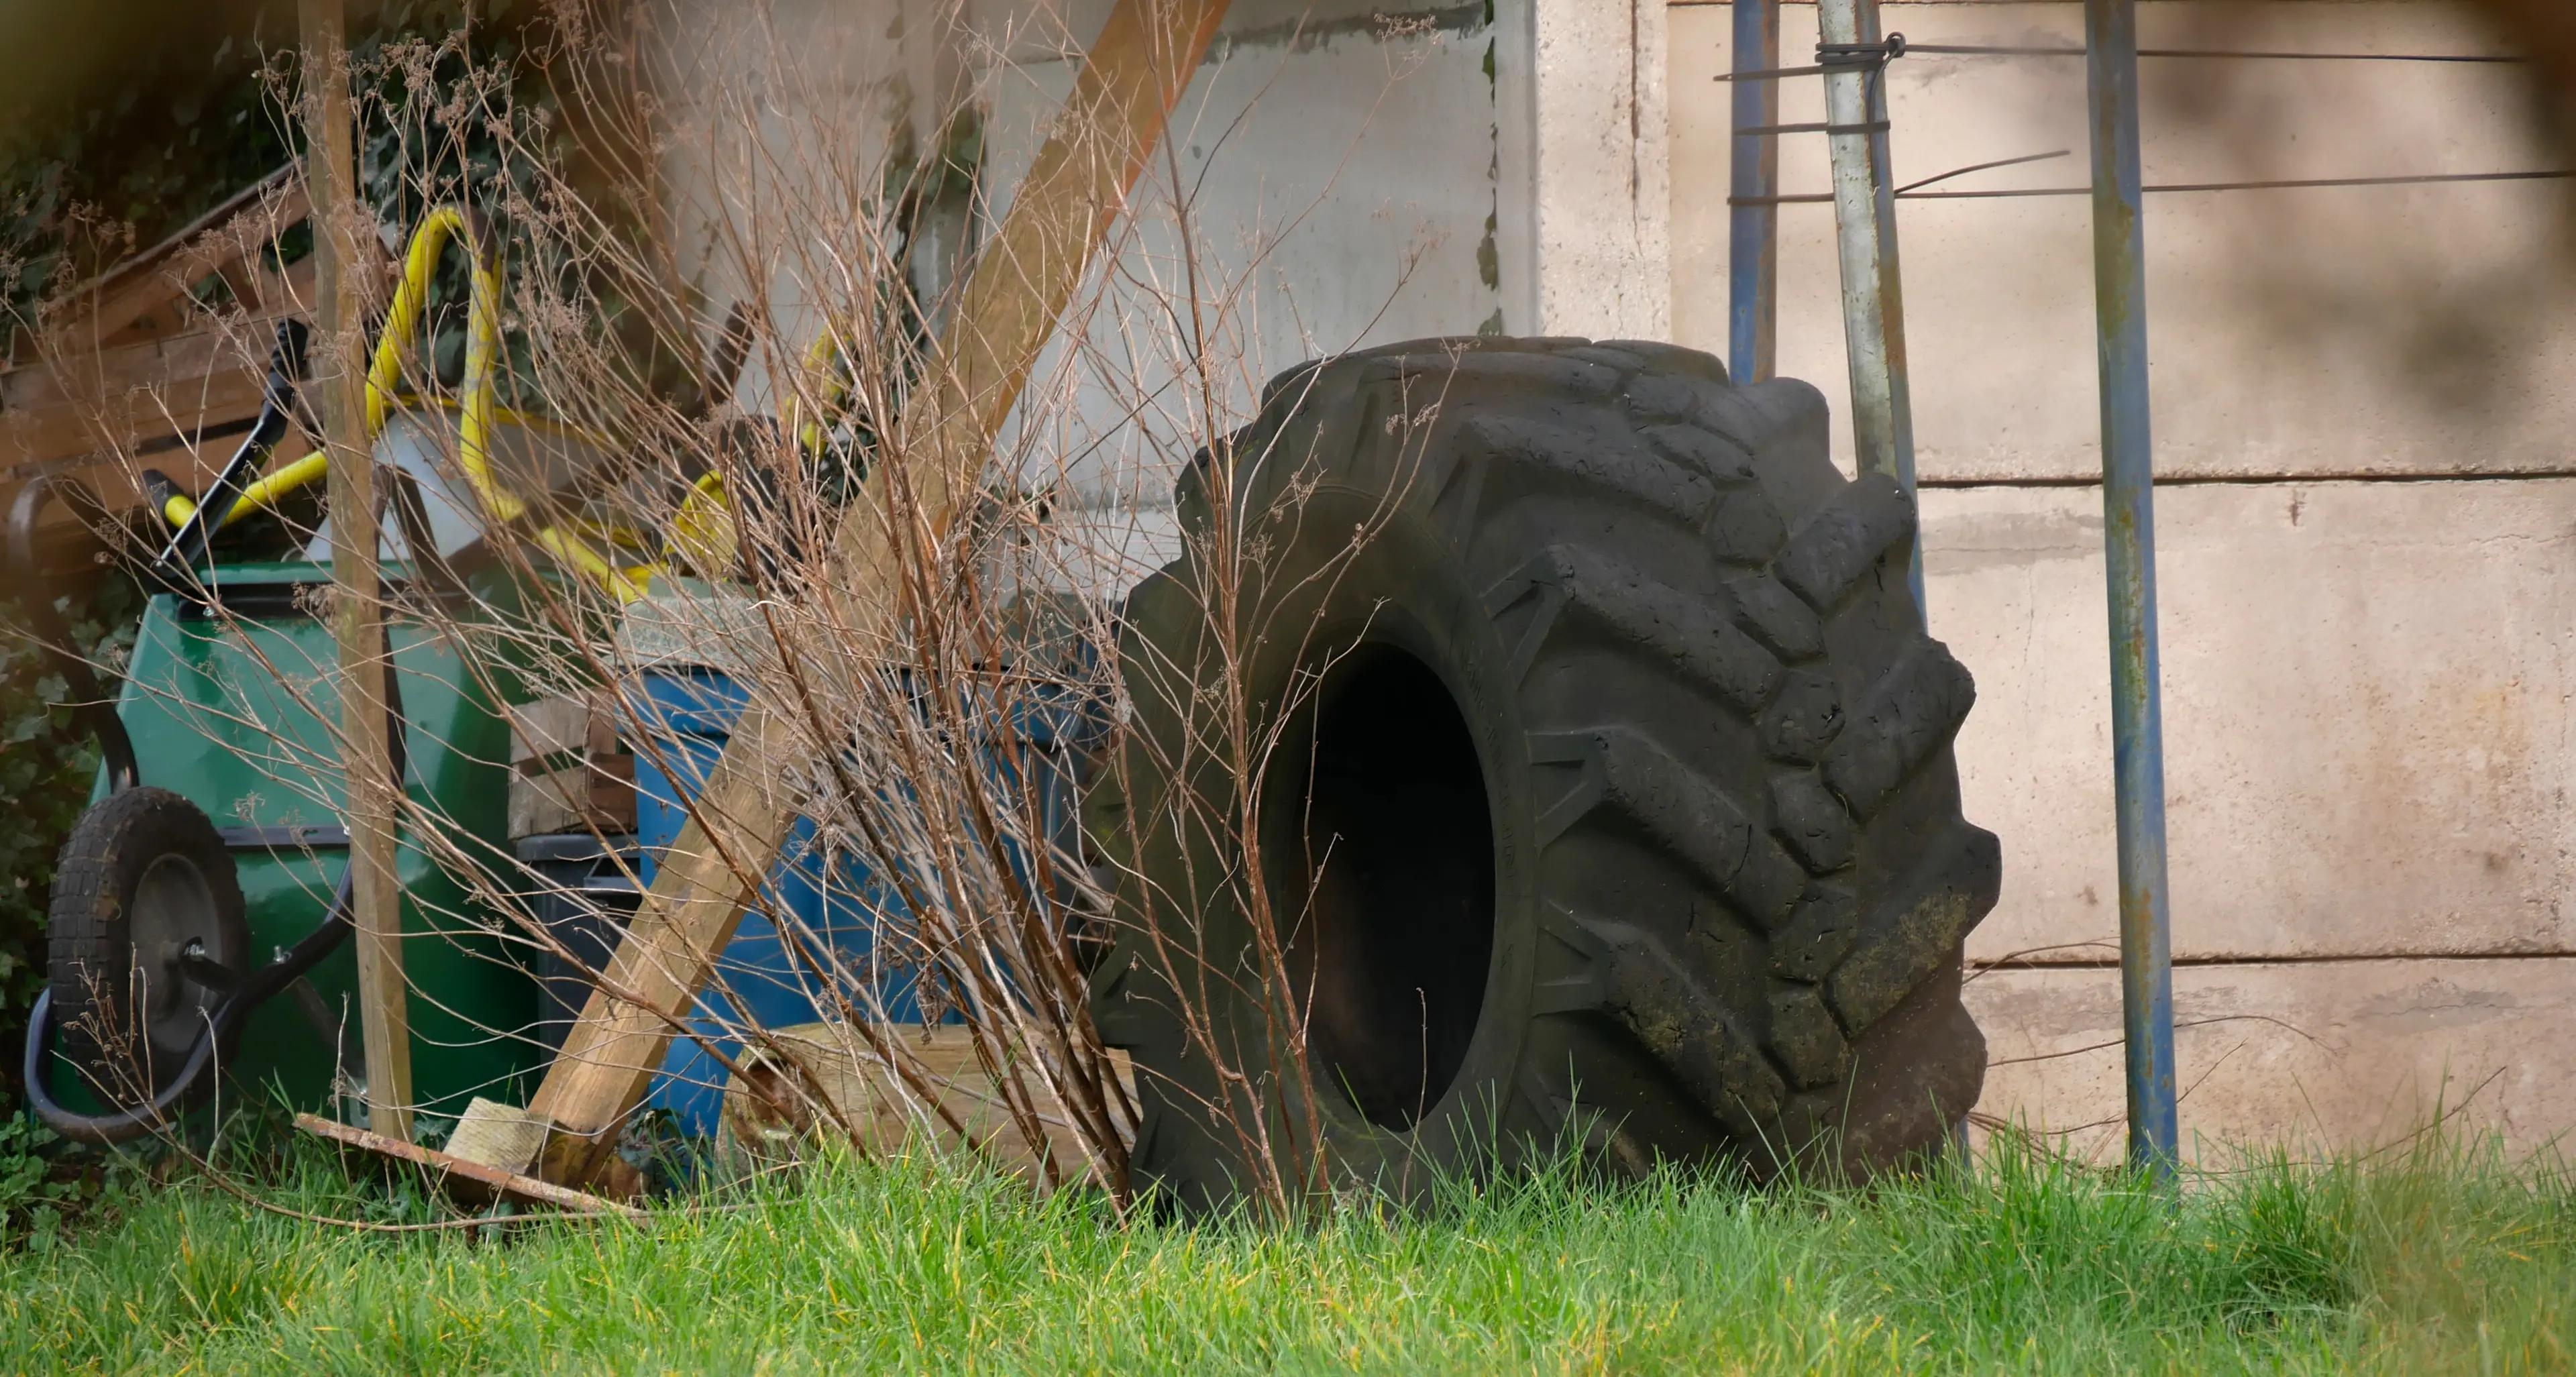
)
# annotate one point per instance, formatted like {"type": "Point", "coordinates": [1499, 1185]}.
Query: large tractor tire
{"type": "Point", "coordinates": [1609, 799]}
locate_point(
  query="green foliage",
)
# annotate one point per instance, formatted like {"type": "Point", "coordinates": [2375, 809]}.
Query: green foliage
{"type": "Point", "coordinates": [192, 118]}
{"type": "Point", "coordinates": [87, 183]}
{"type": "Point", "coordinates": [47, 764]}
{"type": "Point", "coordinates": [446, 120]}
{"type": "Point", "coordinates": [31, 1196]}
{"type": "Point", "coordinates": [2022, 1263]}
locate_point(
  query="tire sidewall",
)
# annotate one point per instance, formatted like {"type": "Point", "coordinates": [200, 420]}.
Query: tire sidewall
{"type": "Point", "coordinates": [1402, 585]}
{"type": "Point", "coordinates": [103, 865]}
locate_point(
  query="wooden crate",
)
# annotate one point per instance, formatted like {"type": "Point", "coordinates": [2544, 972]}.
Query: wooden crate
{"type": "Point", "coordinates": [135, 369]}
{"type": "Point", "coordinates": [568, 771]}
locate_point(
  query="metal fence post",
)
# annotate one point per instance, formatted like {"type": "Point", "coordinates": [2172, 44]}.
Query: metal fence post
{"type": "Point", "coordinates": [2129, 551]}
{"type": "Point", "coordinates": [1891, 299]}
{"type": "Point", "coordinates": [1753, 219]}
{"type": "Point", "coordinates": [1882, 402]}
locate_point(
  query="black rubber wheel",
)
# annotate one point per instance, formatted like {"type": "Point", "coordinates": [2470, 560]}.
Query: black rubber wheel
{"type": "Point", "coordinates": [143, 876]}
{"type": "Point", "coordinates": [1618, 756]}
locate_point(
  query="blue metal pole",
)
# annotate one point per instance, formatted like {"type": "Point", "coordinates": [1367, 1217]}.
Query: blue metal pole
{"type": "Point", "coordinates": [1753, 240]}
{"type": "Point", "coordinates": [2129, 550]}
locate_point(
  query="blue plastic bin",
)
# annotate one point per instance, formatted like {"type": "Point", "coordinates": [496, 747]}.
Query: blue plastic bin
{"type": "Point", "coordinates": [690, 712]}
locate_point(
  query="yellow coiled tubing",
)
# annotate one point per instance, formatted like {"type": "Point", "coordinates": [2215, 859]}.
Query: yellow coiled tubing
{"type": "Point", "coordinates": [702, 526]}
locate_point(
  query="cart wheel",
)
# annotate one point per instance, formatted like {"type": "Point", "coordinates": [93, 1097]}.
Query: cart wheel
{"type": "Point", "coordinates": [146, 911]}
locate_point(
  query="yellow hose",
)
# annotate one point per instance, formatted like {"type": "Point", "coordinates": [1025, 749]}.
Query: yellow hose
{"type": "Point", "coordinates": [478, 411]}
{"type": "Point", "coordinates": [313, 468]}
{"type": "Point", "coordinates": [626, 585]}
{"type": "Point", "coordinates": [819, 358]}
{"type": "Point", "coordinates": [482, 350]}
{"type": "Point", "coordinates": [702, 528]}
{"type": "Point", "coordinates": [384, 378]}
{"type": "Point", "coordinates": [178, 507]}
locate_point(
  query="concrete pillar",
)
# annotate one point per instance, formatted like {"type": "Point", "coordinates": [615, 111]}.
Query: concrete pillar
{"type": "Point", "coordinates": [1582, 142]}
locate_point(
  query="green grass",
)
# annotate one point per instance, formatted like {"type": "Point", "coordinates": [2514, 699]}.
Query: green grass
{"type": "Point", "coordinates": [2438, 1259]}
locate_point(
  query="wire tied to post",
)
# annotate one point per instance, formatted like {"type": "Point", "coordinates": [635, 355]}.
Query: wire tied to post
{"type": "Point", "coordinates": [1832, 57]}
{"type": "Point", "coordinates": [1836, 57]}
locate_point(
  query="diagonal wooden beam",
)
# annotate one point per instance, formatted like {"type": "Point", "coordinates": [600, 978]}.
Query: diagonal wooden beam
{"type": "Point", "coordinates": [1132, 76]}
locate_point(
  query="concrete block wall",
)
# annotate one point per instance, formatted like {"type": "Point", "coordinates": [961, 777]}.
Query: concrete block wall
{"type": "Point", "coordinates": [1346, 173]}
{"type": "Point", "coordinates": [1343, 174]}
{"type": "Point", "coordinates": [1356, 173]}
{"type": "Point", "coordinates": [2366, 544]}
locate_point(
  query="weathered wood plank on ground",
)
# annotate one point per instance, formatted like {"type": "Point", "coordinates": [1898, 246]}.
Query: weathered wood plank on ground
{"type": "Point", "coordinates": [510, 1186]}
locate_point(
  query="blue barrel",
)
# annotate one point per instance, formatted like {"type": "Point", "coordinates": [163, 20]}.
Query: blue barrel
{"type": "Point", "coordinates": [689, 713]}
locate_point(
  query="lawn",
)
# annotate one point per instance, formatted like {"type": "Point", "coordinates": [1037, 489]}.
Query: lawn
{"type": "Point", "coordinates": [2434, 1257]}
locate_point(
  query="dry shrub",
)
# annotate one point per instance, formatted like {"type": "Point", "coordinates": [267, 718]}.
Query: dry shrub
{"type": "Point", "coordinates": [728, 269]}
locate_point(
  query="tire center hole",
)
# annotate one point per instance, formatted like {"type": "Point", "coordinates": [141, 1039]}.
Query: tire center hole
{"type": "Point", "coordinates": [1395, 931]}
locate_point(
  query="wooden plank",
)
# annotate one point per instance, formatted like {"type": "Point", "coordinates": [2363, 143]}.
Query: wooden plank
{"type": "Point", "coordinates": [179, 404]}
{"type": "Point", "coordinates": [117, 399]}
{"type": "Point", "coordinates": [699, 890]}
{"type": "Point", "coordinates": [99, 377]}
{"type": "Point", "coordinates": [118, 381]}
{"type": "Point", "coordinates": [108, 393]}
{"type": "Point", "coordinates": [506, 1185]}
{"type": "Point", "coordinates": [770, 1107]}
{"type": "Point", "coordinates": [339, 372]}
{"type": "Point", "coordinates": [143, 292]}
{"type": "Point", "coordinates": [1131, 78]}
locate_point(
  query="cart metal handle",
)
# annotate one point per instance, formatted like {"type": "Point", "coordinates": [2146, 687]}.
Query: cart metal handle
{"type": "Point", "coordinates": [89, 699]}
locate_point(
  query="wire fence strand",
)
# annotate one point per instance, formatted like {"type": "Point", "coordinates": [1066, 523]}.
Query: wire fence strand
{"type": "Point", "coordinates": [2017, 50]}
{"type": "Point", "coordinates": [2163, 188]}
{"type": "Point", "coordinates": [1899, 46]}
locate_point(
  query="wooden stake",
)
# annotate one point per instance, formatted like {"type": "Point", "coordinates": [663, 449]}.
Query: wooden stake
{"type": "Point", "coordinates": [1131, 77]}
{"type": "Point", "coordinates": [366, 749]}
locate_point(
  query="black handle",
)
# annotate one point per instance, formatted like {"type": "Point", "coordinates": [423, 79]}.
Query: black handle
{"type": "Point", "coordinates": [286, 365]}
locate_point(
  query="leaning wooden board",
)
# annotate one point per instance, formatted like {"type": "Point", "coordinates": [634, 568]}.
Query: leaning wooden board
{"type": "Point", "coordinates": [1132, 77]}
